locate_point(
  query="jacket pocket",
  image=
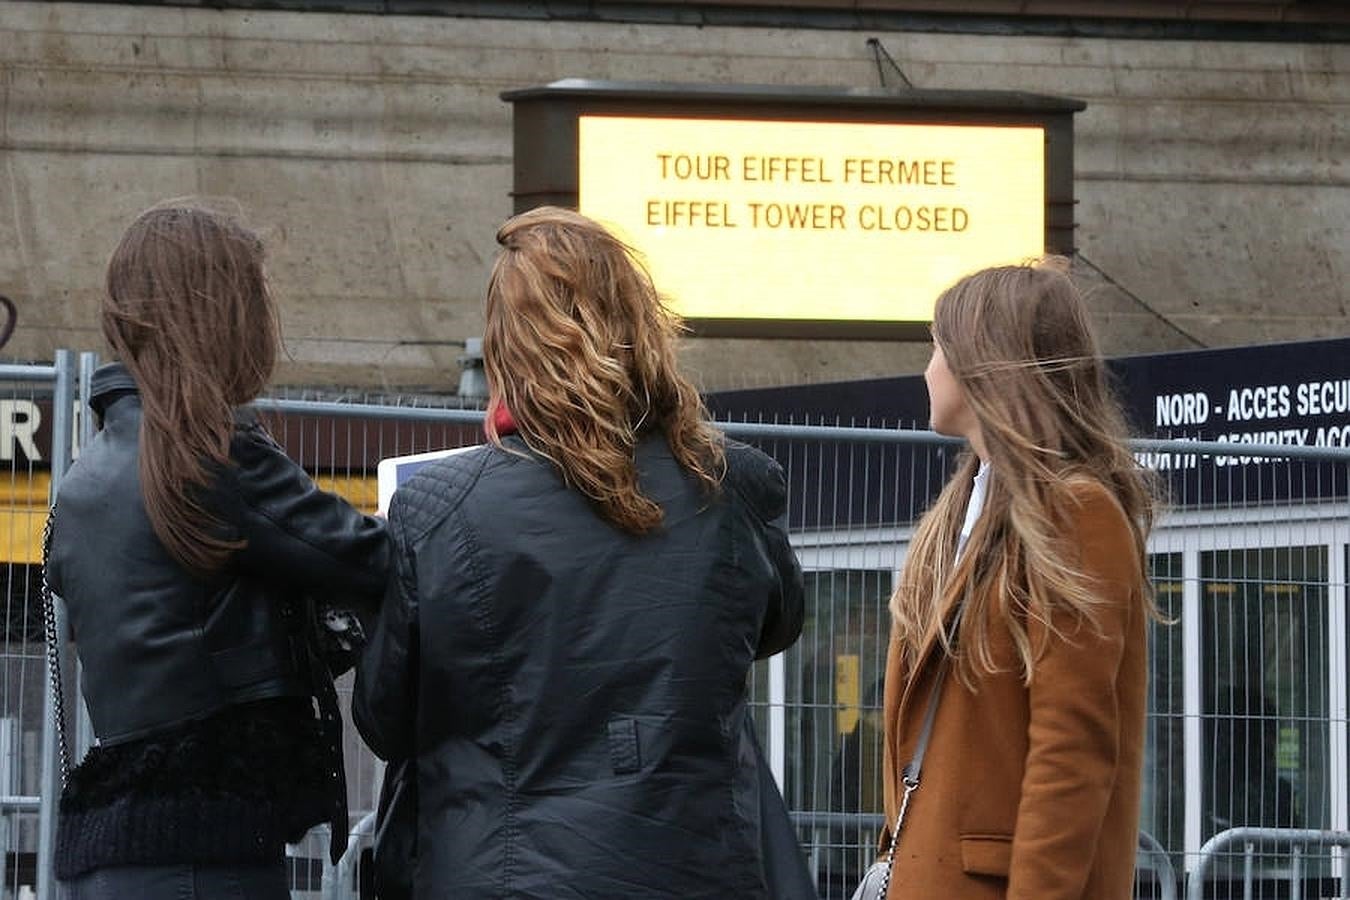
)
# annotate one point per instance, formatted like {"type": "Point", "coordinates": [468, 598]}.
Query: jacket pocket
{"type": "Point", "coordinates": [625, 754]}
{"type": "Point", "coordinates": [986, 854]}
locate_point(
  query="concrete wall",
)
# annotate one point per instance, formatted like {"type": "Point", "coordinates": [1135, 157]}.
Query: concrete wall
{"type": "Point", "coordinates": [1213, 178]}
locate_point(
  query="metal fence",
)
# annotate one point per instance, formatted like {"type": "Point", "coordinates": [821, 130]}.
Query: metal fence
{"type": "Point", "coordinates": [1247, 726]}
{"type": "Point", "coordinates": [34, 460]}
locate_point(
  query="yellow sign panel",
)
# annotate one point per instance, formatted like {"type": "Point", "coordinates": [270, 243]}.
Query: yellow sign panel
{"type": "Point", "coordinates": [844, 221]}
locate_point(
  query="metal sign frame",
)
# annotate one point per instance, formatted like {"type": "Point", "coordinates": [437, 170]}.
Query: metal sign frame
{"type": "Point", "coordinates": [546, 164]}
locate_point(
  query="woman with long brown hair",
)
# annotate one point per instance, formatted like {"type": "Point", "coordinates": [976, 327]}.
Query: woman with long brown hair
{"type": "Point", "coordinates": [1017, 665]}
{"type": "Point", "coordinates": [560, 669]}
{"type": "Point", "coordinates": [190, 552]}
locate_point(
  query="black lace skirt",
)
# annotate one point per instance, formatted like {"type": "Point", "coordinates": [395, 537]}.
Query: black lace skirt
{"type": "Point", "coordinates": [231, 788]}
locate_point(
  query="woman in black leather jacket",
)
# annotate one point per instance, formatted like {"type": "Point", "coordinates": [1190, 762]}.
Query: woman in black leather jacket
{"type": "Point", "coordinates": [190, 552]}
{"type": "Point", "coordinates": [562, 660]}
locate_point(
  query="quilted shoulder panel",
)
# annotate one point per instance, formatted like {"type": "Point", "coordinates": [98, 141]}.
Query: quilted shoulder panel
{"type": "Point", "coordinates": [758, 478]}
{"type": "Point", "coordinates": [437, 489]}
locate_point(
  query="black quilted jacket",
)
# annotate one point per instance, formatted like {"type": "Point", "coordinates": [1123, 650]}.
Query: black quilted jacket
{"type": "Point", "coordinates": [574, 697]}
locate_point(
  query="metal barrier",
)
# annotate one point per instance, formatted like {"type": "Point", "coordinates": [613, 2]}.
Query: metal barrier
{"type": "Point", "coordinates": [1248, 689]}
{"type": "Point", "coordinates": [1152, 858]}
{"type": "Point", "coordinates": [29, 769]}
{"type": "Point", "coordinates": [1250, 839]}
{"type": "Point", "coordinates": [1249, 560]}
{"type": "Point", "coordinates": [1266, 526]}
{"type": "Point", "coordinates": [343, 881]}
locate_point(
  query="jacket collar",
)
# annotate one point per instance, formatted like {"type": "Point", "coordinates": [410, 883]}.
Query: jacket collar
{"type": "Point", "coordinates": [111, 377]}
{"type": "Point", "coordinates": [109, 382]}
{"type": "Point", "coordinates": [112, 382]}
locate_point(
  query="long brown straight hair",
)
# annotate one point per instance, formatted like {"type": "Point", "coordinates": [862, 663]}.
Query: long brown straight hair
{"type": "Point", "coordinates": [188, 311]}
{"type": "Point", "coordinates": [581, 351]}
{"type": "Point", "coordinates": [1017, 339]}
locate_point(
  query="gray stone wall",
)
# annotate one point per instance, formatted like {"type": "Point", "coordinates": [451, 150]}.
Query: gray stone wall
{"type": "Point", "coordinates": [1213, 178]}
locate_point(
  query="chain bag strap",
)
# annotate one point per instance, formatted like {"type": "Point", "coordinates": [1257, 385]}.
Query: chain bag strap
{"type": "Point", "coordinates": [54, 649]}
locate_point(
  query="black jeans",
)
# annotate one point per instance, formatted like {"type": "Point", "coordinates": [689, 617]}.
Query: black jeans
{"type": "Point", "coordinates": [180, 882]}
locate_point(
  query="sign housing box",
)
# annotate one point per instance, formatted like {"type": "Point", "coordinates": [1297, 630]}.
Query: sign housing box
{"type": "Point", "coordinates": [780, 212]}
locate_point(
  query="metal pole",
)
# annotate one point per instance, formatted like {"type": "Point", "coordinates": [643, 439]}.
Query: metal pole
{"type": "Point", "coordinates": [778, 719]}
{"type": "Point", "coordinates": [88, 363]}
{"type": "Point", "coordinates": [1297, 838]}
{"type": "Point", "coordinates": [341, 882]}
{"type": "Point", "coordinates": [1247, 875]}
{"type": "Point", "coordinates": [765, 430]}
{"type": "Point", "coordinates": [4, 851]}
{"type": "Point", "coordinates": [358, 411]}
{"type": "Point", "coordinates": [84, 726]}
{"type": "Point", "coordinates": [63, 404]}
{"type": "Point", "coordinates": [12, 372]}
{"type": "Point", "coordinates": [1166, 874]}
{"type": "Point", "coordinates": [1296, 874]}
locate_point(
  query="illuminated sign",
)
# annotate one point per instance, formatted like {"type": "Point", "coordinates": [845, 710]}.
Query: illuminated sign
{"type": "Point", "coordinates": [813, 220]}
{"type": "Point", "coordinates": [803, 212]}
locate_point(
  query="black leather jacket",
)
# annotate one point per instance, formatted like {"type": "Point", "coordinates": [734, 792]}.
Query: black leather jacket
{"type": "Point", "coordinates": [199, 687]}
{"type": "Point", "coordinates": [160, 646]}
{"type": "Point", "coordinates": [574, 698]}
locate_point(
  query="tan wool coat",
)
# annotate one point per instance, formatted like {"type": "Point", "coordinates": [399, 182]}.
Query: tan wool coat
{"type": "Point", "coordinates": [1031, 792]}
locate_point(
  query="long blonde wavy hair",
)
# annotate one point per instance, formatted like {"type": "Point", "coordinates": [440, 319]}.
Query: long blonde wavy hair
{"type": "Point", "coordinates": [1018, 342]}
{"type": "Point", "coordinates": [581, 351]}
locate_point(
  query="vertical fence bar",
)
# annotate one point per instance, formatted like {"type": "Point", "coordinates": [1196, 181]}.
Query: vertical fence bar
{"type": "Point", "coordinates": [88, 364]}
{"type": "Point", "coordinates": [4, 850]}
{"type": "Point", "coordinates": [63, 405]}
{"type": "Point", "coordinates": [778, 717]}
{"type": "Point", "coordinates": [84, 726]}
{"type": "Point", "coordinates": [1338, 676]}
{"type": "Point", "coordinates": [1192, 736]}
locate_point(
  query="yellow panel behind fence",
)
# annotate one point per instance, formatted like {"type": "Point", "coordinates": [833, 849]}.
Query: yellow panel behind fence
{"type": "Point", "coordinates": [358, 490]}
{"type": "Point", "coordinates": [23, 513]}
{"type": "Point", "coordinates": [847, 692]}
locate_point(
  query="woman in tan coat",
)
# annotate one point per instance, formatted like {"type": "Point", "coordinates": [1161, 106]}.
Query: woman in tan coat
{"type": "Point", "coordinates": [1022, 613]}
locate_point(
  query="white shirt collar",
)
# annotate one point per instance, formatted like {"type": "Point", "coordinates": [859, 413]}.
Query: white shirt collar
{"type": "Point", "coordinates": [974, 506]}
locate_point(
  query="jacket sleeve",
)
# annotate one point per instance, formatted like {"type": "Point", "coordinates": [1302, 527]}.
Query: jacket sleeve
{"type": "Point", "coordinates": [384, 702]}
{"type": "Point", "coordinates": [297, 532]}
{"type": "Point", "coordinates": [1074, 735]}
{"type": "Point", "coordinates": [783, 617]}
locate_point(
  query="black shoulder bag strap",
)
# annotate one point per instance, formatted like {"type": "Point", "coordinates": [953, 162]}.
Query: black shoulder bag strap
{"type": "Point", "coordinates": [54, 649]}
